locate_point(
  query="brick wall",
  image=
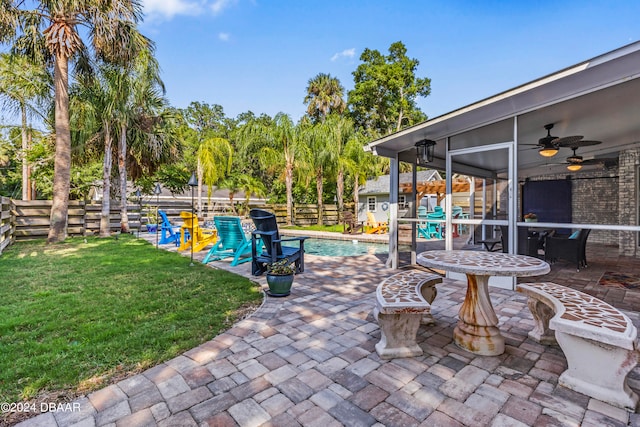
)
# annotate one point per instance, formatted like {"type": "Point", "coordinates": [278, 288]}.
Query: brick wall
{"type": "Point", "coordinates": [628, 200]}
{"type": "Point", "coordinates": [607, 197]}
{"type": "Point", "coordinates": [594, 200]}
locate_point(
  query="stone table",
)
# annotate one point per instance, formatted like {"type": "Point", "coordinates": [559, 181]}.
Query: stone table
{"type": "Point", "coordinates": [477, 330]}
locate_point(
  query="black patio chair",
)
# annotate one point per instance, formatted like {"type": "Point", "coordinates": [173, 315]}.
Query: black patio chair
{"type": "Point", "coordinates": [527, 243]}
{"type": "Point", "coordinates": [572, 248]}
{"type": "Point", "coordinates": [272, 250]}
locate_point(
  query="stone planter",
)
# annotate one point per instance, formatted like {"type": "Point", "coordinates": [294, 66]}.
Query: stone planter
{"type": "Point", "coordinates": [279, 285]}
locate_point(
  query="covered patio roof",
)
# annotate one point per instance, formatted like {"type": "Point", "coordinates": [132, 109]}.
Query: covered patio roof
{"type": "Point", "coordinates": [496, 138]}
{"type": "Point", "coordinates": [598, 99]}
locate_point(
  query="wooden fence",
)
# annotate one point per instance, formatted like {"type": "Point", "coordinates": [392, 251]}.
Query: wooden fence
{"type": "Point", "coordinates": [6, 227]}
{"type": "Point", "coordinates": [304, 215]}
{"type": "Point", "coordinates": [21, 220]}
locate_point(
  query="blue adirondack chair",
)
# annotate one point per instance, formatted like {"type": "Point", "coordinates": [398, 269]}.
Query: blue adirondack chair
{"type": "Point", "coordinates": [232, 241]}
{"type": "Point", "coordinates": [168, 233]}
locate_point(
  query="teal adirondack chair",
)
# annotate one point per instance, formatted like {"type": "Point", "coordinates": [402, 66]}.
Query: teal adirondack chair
{"type": "Point", "coordinates": [457, 212]}
{"type": "Point", "coordinates": [434, 229]}
{"type": "Point", "coordinates": [232, 241]}
{"type": "Point", "coordinates": [423, 230]}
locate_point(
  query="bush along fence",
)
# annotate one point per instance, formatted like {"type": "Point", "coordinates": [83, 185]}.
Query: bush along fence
{"type": "Point", "coordinates": [21, 220]}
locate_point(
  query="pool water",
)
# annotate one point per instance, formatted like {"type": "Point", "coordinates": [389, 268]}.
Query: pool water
{"type": "Point", "coordinates": [326, 247]}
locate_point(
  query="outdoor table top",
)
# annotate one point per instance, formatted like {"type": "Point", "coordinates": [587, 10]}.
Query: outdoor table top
{"type": "Point", "coordinates": [484, 263]}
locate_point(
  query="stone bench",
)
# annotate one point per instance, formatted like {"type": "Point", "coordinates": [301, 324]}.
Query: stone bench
{"type": "Point", "coordinates": [403, 302]}
{"type": "Point", "coordinates": [597, 339]}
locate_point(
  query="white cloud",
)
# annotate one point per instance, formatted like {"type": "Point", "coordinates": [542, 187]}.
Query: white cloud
{"type": "Point", "coordinates": [219, 5]}
{"type": "Point", "coordinates": [167, 9]}
{"type": "Point", "coordinates": [161, 10]}
{"type": "Point", "coordinates": [347, 53]}
{"type": "Point", "coordinates": [224, 36]}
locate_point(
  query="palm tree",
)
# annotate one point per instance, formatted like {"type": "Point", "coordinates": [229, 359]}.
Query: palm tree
{"type": "Point", "coordinates": [359, 164]}
{"type": "Point", "coordinates": [215, 157]}
{"type": "Point", "coordinates": [142, 102]}
{"type": "Point", "coordinates": [50, 31]}
{"type": "Point", "coordinates": [242, 182]}
{"type": "Point", "coordinates": [341, 132]}
{"type": "Point", "coordinates": [283, 142]}
{"type": "Point", "coordinates": [320, 155]}
{"type": "Point", "coordinates": [324, 96]}
{"type": "Point", "coordinates": [25, 86]}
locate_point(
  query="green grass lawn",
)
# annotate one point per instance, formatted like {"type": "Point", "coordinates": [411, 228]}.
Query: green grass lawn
{"type": "Point", "coordinates": [75, 315]}
{"type": "Point", "coordinates": [337, 228]}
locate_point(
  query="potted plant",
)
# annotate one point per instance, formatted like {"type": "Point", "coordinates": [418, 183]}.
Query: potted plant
{"type": "Point", "coordinates": [531, 217]}
{"type": "Point", "coordinates": [279, 278]}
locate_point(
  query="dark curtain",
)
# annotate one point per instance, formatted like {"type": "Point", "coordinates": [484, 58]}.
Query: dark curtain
{"type": "Point", "coordinates": [549, 200]}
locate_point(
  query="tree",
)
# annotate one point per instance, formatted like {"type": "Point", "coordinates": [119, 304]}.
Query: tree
{"type": "Point", "coordinates": [215, 157]}
{"type": "Point", "coordinates": [280, 142]}
{"type": "Point", "coordinates": [94, 102]}
{"type": "Point", "coordinates": [25, 86]}
{"type": "Point", "coordinates": [49, 31]}
{"type": "Point", "coordinates": [359, 164]}
{"type": "Point", "coordinates": [242, 182]}
{"type": "Point", "coordinates": [324, 96]}
{"type": "Point", "coordinates": [143, 101]}
{"type": "Point", "coordinates": [342, 132]}
{"type": "Point", "coordinates": [385, 91]}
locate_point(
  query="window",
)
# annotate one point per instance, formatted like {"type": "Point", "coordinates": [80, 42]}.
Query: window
{"type": "Point", "coordinates": [402, 202]}
{"type": "Point", "coordinates": [371, 204]}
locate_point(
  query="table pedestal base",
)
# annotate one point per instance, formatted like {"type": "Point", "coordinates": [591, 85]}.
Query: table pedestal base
{"type": "Point", "coordinates": [481, 340]}
{"type": "Point", "coordinates": [477, 330]}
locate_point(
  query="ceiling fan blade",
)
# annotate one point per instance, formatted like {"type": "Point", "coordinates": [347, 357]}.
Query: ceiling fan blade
{"type": "Point", "coordinates": [577, 144]}
{"type": "Point", "coordinates": [566, 141]}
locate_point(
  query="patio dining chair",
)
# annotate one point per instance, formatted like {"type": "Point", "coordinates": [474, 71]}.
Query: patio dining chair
{"type": "Point", "coordinates": [232, 241]}
{"type": "Point", "coordinates": [267, 247]}
{"type": "Point", "coordinates": [457, 212]}
{"type": "Point", "coordinates": [199, 238]}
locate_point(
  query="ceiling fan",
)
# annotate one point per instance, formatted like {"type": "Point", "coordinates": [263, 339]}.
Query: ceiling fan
{"type": "Point", "coordinates": [575, 162]}
{"type": "Point", "coordinates": [549, 145]}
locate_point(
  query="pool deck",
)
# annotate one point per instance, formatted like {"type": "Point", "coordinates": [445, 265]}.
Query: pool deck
{"type": "Point", "coordinates": [309, 360]}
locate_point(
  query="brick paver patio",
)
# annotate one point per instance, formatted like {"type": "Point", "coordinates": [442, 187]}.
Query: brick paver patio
{"type": "Point", "coordinates": [309, 360]}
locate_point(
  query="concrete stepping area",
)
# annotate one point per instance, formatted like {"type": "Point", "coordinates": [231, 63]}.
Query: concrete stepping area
{"type": "Point", "coordinates": [309, 360]}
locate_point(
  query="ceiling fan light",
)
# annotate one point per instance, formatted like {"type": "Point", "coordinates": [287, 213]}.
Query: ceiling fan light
{"type": "Point", "coordinates": [574, 168]}
{"type": "Point", "coordinates": [548, 151]}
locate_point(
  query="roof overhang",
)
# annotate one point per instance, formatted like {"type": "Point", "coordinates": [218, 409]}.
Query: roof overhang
{"type": "Point", "coordinates": [598, 98]}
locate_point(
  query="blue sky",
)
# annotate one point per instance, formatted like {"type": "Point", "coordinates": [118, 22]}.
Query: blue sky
{"type": "Point", "coordinates": [259, 55]}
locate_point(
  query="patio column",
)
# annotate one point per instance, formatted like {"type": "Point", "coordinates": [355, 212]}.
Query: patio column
{"type": "Point", "coordinates": [394, 178]}
{"type": "Point", "coordinates": [414, 211]}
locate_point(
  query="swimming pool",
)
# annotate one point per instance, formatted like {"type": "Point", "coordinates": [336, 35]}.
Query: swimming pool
{"type": "Point", "coordinates": [326, 247]}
